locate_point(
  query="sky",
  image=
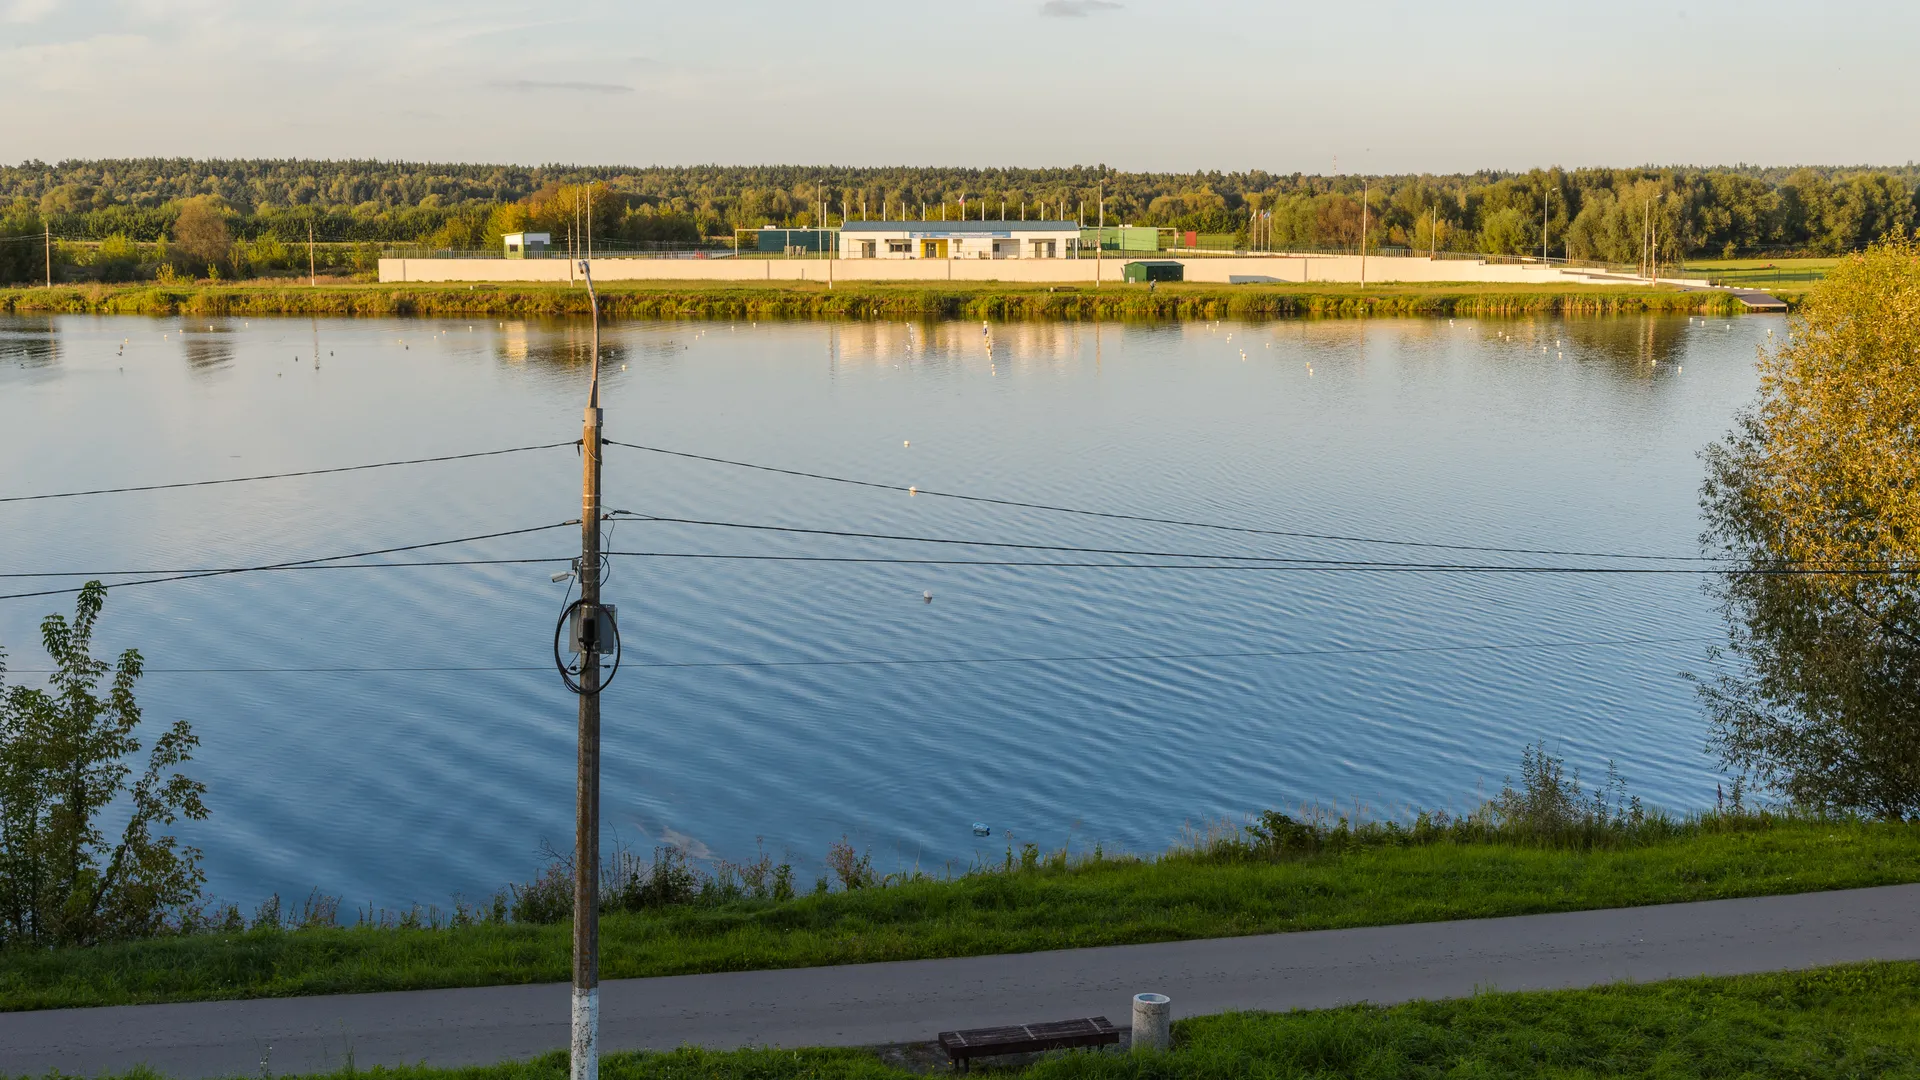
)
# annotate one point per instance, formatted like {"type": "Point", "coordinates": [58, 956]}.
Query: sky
{"type": "Point", "coordinates": [1374, 87]}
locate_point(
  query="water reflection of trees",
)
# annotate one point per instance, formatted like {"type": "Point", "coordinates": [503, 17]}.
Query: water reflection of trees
{"type": "Point", "coordinates": [1635, 345]}
{"type": "Point", "coordinates": [562, 344]}
{"type": "Point", "coordinates": [208, 347]}
{"type": "Point", "coordinates": [959, 344]}
{"type": "Point", "coordinates": [30, 341]}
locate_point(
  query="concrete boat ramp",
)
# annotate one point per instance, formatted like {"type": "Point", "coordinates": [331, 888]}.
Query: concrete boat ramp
{"type": "Point", "coordinates": [1755, 300]}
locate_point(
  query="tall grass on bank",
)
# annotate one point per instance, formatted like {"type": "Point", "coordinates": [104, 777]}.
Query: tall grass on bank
{"type": "Point", "coordinates": [989, 300]}
{"type": "Point", "coordinates": [1544, 845]}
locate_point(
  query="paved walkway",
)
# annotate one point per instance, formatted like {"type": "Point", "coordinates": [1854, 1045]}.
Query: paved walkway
{"type": "Point", "coordinates": [912, 1001]}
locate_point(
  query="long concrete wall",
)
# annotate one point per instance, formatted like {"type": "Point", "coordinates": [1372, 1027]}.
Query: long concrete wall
{"type": "Point", "coordinates": [1287, 268]}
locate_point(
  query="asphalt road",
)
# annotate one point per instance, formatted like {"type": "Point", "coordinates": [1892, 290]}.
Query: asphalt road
{"type": "Point", "coordinates": [912, 1001]}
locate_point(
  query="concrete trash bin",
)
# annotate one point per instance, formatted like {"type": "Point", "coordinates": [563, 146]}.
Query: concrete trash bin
{"type": "Point", "coordinates": [1152, 1022]}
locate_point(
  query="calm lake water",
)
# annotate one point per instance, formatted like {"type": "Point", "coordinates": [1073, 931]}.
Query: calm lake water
{"type": "Point", "coordinates": [735, 721]}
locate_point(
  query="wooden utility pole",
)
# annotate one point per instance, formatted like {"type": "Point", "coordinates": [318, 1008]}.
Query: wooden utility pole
{"type": "Point", "coordinates": [1100, 232]}
{"type": "Point", "coordinates": [313, 276]}
{"type": "Point", "coordinates": [48, 227]}
{"type": "Point", "coordinates": [586, 826]}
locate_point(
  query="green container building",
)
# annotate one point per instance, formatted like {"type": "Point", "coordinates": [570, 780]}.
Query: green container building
{"type": "Point", "coordinates": [1156, 270]}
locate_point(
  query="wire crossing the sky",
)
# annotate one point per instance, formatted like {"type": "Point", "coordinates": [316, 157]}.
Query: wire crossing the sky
{"type": "Point", "coordinates": [1254, 560]}
{"type": "Point", "coordinates": [1258, 567]}
{"type": "Point", "coordinates": [1201, 561]}
{"type": "Point", "coordinates": [1091, 658]}
{"type": "Point", "coordinates": [205, 570]}
{"type": "Point", "coordinates": [284, 475]}
{"type": "Point", "coordinates": [298, 563]}
{"type": "Point", "coordinates": [1184, 523]}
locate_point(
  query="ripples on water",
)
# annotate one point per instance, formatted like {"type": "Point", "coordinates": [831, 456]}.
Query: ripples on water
{"type": "Point", "coordinates": [410, 783]}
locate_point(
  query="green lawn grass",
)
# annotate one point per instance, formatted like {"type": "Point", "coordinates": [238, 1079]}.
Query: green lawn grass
{"type": "Point", "coordinates": [1793, 275]}
{"type": "Point", "coordinates": [1048, 906]}
{"type": "Point", "coordinates": [1840, 1023]}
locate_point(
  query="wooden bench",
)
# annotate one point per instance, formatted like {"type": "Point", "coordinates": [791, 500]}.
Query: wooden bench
{"type": "Point", "coordinates": [963, 1046]}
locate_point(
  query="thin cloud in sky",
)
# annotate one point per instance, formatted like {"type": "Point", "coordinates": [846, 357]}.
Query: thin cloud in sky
{"type": "Point", "coordinates": [27, 11]}
{"type": "Point", "coordinates": [1076, 9]}
{"type": "Point", "coordinates": [651, 90]}
{"type": "Point", "coordinates": [534, 85]}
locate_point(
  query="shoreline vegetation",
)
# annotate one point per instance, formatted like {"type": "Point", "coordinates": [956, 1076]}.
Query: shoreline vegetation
{"type": "Point", "coordinates": [1528, 852]}
{"type": "Point", "coordinates": [804, 300]}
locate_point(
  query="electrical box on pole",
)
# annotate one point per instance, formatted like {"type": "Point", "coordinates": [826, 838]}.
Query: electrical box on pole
{"type": "Point", "coordinates": [605, 631]}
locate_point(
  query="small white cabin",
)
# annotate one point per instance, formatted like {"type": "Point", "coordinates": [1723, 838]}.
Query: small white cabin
{"type": "Point", "coordinates": [525, 245]}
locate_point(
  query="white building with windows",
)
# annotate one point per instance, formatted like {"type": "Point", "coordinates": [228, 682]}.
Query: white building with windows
{"type": "Point", "coordinates": [526, 245]}
{"type": "Point", "coordinates": [959, 240]}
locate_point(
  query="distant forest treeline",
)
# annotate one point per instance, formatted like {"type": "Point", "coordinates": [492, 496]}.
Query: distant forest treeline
{"type": "Point", "coordinates": [265, 206]}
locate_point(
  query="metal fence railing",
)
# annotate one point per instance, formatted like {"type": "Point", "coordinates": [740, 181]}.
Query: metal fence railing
{"type": "Point", "coordinates": [1757, 277]}
{"type": "Point", "coordinates": [403, 251]}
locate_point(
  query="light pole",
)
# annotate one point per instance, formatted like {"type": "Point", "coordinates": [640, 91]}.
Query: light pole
{"type": "Point", "coordinates": [1365, 190]}
{"type": "Point", "coordinates": [1654, 254]}
{"type": "Point", "coordinates": [1649, 253]}
{"type": "Point", "coordinates": [1544, 196]}
{"type": "Point", "coordinates": [1646, 227]}
{"type": "Point", "coordinates": [1100, 233]}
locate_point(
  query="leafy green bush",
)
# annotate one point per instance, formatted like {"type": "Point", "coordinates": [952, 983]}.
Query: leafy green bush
{"type": "Point", "coordinates": [63, 754]}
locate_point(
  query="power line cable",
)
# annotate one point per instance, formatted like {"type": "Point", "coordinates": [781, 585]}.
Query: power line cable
{"type": "Point", "coordinates": [959, 660]}
{"type": "Point", "coordinates": [1218, 562]}
{"type": "Point", "coordinates": [852, 534]}
{"type": "Point", "coordinates": [292, 563]}
{"type": "Point", "coordinates": [1116, 657]}
{"type": "Point", "coordinates": [1254, 567]}
{"type": "Point", "coordinates": [1289, 559]}
{"type": "Point", "coordinates": [243, 569]}
{"type": "Point", "coordinates": [284, 475]}
{"type": "Point", "coordinates": [306, 670]}
{"type": "Point", "coordinates": [1184, 523]}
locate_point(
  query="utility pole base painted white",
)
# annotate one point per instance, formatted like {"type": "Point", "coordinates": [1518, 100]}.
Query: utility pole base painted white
{"type": "Point", "coordinates": [586, 1035]}
{"type": "Point", "coordinates": [1152, 1022]}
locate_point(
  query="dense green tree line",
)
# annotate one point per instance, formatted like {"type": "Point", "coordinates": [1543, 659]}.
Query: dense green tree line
{"type": "Point", "coordinates": [1604, 214]}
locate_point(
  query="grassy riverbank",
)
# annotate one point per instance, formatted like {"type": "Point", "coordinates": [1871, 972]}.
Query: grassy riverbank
{"type": "Point", "coordinates": [1032, 904]}
{"type": "Point", "coordinates": [1843, 1022]}
{"type": "Point", "coordinates": [802, 300]}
